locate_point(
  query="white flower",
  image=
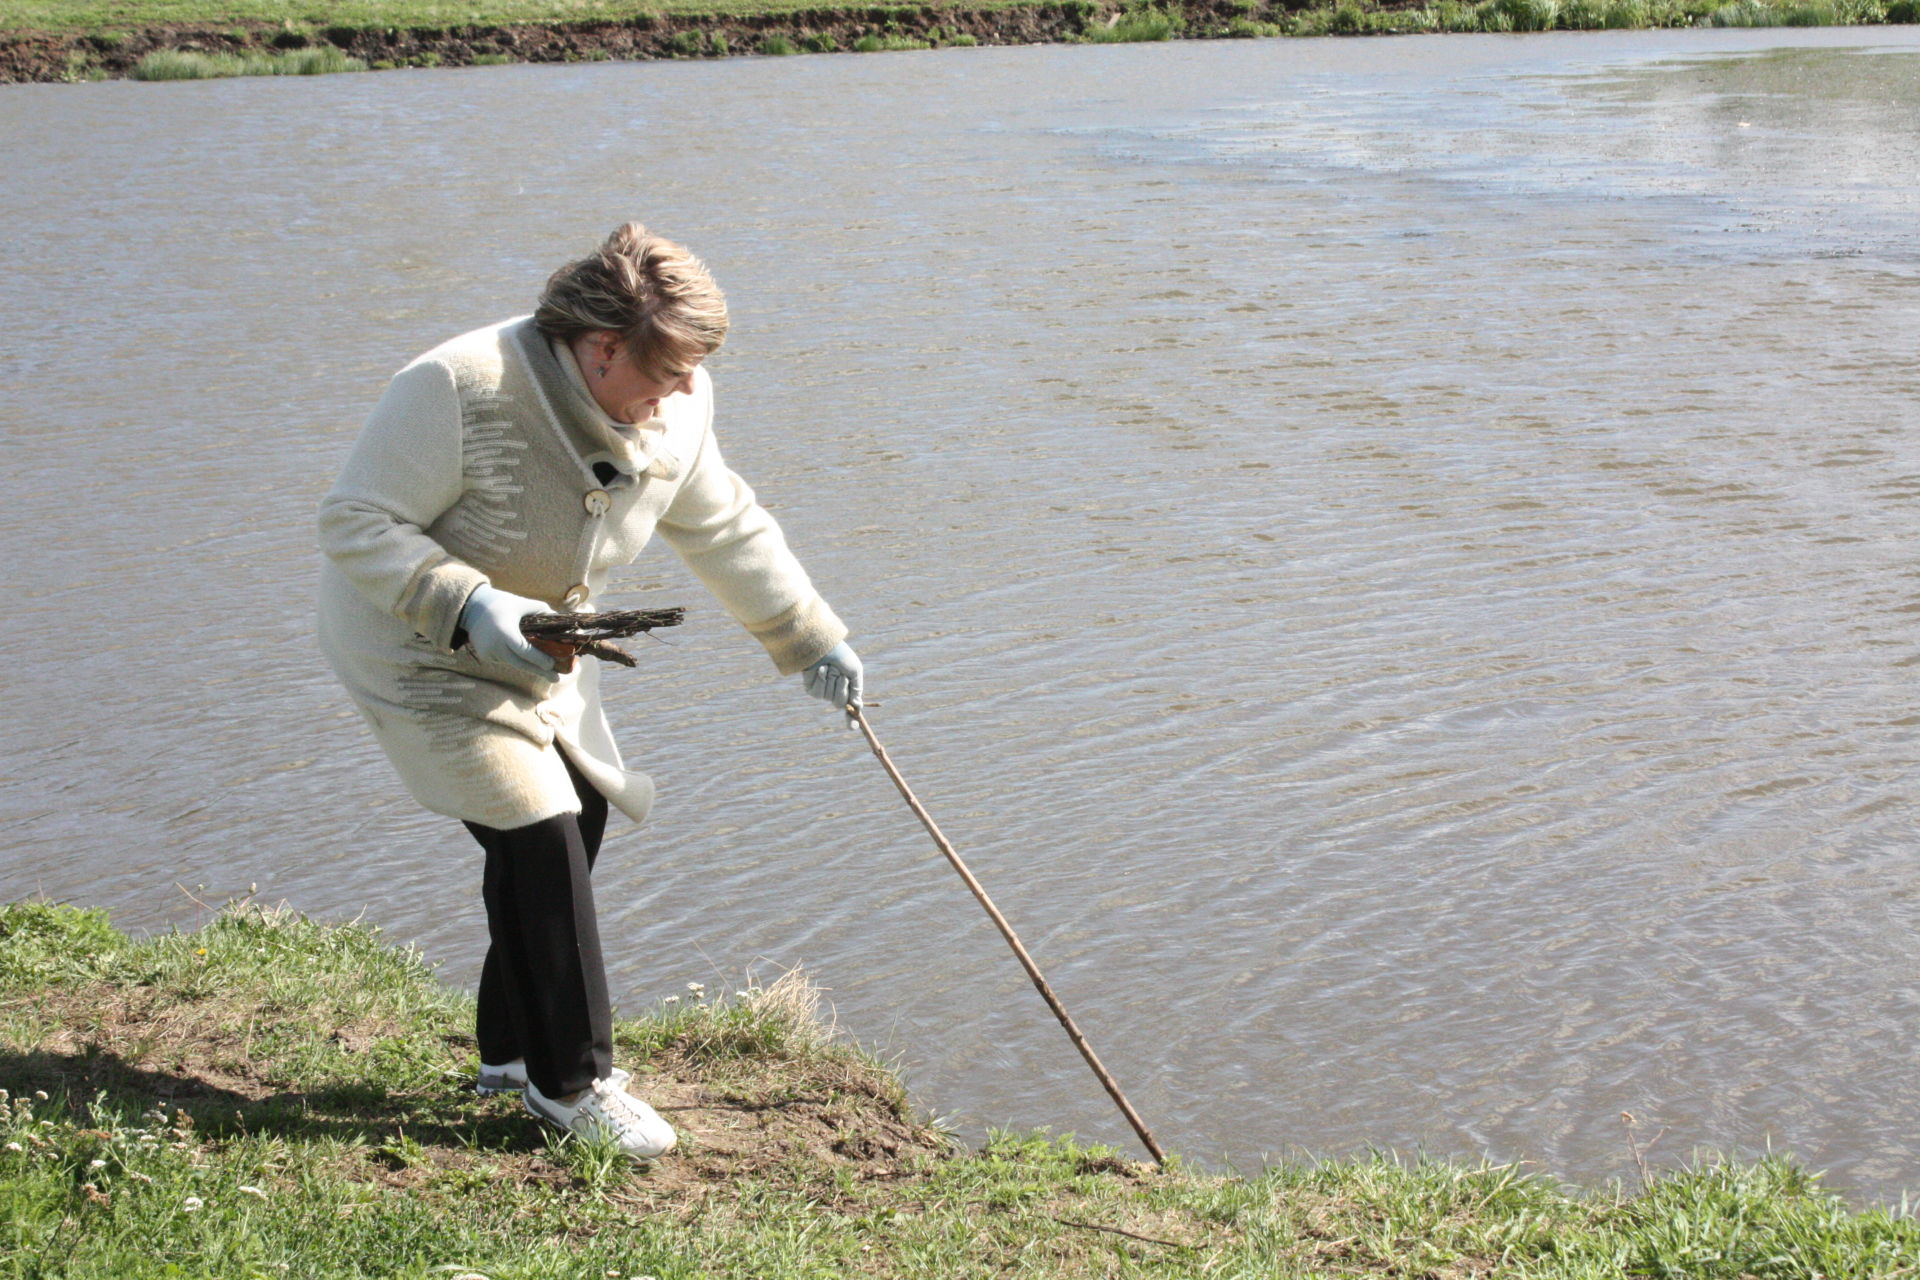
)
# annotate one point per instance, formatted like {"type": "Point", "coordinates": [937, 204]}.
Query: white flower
{"type": "Point", "coordinates": [253, 1191]}
{"type": "Point", "coordinates": [40, 1094]}
{"type": "Point", "coordinates": [137, 1176]}
{"type": "Point", "coordinates": [192, 1203]}
{"type": "Point", "coordinates": [97, 1164]}
{"type": "Point", "coordinates": [671, 1000]}
{"type": "Point", "coordinates": [14, 1146]}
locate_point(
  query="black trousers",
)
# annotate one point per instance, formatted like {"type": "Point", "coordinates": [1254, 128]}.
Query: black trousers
{"type": "Point", "coordinates": [543, 988]}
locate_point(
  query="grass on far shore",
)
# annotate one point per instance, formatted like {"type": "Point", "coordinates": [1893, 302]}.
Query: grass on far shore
{"type": "Point", "coordinates": [268, 1096]}
{"type": "Point", "coordinates": [107, 15]}
{"type": "Point", "coordinates": [78, 40]}
{"type": "Point", "coordinates": [177, 64]}
{"type": "Point", "coordinates": [1137, 20]}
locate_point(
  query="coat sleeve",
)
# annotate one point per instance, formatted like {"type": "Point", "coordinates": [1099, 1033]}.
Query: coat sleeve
{"type": "Point", "coordinates": [403, 473]}
{"type": "Point", "coordinates": [735, 548]}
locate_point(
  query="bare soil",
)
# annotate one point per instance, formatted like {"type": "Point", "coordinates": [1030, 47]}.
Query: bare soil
{"type": "Point", "coordinates": [61, 56]}
{"type": "Point", "coordinates": [816, 1122]}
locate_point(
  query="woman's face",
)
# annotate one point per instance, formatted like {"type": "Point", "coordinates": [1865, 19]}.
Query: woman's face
{"type": "Point", "coordinates": [624, 390]}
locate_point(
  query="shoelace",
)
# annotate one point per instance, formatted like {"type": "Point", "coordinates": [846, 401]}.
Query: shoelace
{"type": "Point", "coordinates": [616, 1107]}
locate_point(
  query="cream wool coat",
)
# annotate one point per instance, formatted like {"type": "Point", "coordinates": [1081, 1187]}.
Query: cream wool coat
{"type": "Point", "coordinates": [478, 465]}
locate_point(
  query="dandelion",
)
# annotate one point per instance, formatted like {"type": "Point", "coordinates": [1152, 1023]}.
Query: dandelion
{"type": "Point", "coordinates": [253, 1191]}
{"type": "Point", "coordinates": [192, 1204]}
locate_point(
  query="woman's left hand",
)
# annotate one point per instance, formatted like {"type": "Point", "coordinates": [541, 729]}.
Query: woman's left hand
{"type": "Point", "coordinates": [836, 677]}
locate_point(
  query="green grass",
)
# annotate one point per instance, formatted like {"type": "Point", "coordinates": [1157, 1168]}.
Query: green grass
{"type": "Point", "coordinates": [268, 1096]}
{"type": "Point", "coordinates": [91, 15]}
{"type": "Point", "coordinates": [1497, 16]}
{"type": "Point", "coordinates": [887, 44]}
{"type": "Point", "coordinates": [265, 36]}
{"type": "Point", "coordinates": [1135, 26]}
{"type": "Point", "coordinates": [177, 64]}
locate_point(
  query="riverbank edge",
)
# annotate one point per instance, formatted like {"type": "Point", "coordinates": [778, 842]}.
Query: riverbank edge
{"type": "Point", "coordinates": [268, 1095]}
{"type": "Point", "coordinates": [117, 51]}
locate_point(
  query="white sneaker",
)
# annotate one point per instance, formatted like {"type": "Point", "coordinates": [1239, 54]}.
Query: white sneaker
{"type": "Point", "coordinates": [511, 1077]}
{"type": "Point", "coordinates": [608, 1109]}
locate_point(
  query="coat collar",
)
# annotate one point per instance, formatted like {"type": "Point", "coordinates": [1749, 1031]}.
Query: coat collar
{"type": "Point", "coordinates": [632, 444]}
{"type": "Point", "coordinates": [633, 449]}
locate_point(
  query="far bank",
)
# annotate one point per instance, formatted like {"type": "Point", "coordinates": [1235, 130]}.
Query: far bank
{"type": "Point", "coordinates": [65, 40]}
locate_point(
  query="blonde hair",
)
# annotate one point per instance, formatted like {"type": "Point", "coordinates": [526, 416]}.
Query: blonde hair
{"type": "Point", "coordinates": [645, 288]}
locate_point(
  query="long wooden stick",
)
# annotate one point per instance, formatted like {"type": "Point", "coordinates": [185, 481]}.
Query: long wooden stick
{"type": "Point", "coordinates": [1013, 940]}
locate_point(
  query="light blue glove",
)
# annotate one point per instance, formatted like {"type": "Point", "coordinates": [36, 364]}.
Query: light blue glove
{"type": "Point", "coordinates": [836, 677]}
{"type": "Point", "coordinates": [492, 619]}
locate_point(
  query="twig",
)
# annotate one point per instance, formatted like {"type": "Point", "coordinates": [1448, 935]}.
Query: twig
{"type": "Point", "coordinates": [593, 633]}
{"type": "Point", "coordinates": [1006, 931]}
{"type": "Point", "coordinates": [1131, 1235]}
{"type": "Point", "coordinates": [1639, 1152]}
{"type": "Point", "coordinates": [608, 651]}
{"type": "Point", "coordinates": [615, 624]}
{"type": "Point", "coordinates": [182, 888]}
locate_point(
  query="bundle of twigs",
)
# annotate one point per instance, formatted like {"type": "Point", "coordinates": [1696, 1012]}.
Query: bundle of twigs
{"type": "Point", "coordinates": [594, 633]}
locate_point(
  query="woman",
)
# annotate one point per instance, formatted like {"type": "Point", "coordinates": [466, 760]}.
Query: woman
{"type": "Point", "coordinates": [502, 474]}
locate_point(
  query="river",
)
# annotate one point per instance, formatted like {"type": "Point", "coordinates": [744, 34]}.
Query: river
{"type": "Point", "coordinates": [1393, 558]}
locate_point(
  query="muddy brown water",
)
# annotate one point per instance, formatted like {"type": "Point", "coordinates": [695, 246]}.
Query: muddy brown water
{"type": "Point", "coordinates": [1394, 558]}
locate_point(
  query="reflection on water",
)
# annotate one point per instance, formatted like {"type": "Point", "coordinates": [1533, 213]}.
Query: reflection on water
{"type": "Point", "coordinates": [1392, 558]}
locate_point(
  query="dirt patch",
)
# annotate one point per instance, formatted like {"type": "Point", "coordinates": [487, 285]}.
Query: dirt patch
{"type": "Point", "coordinates": [819, 1122]}
{"type": "Point", "coordinates": [56, 56]}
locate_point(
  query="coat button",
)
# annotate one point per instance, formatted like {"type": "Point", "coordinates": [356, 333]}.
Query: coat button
{"type": "Point", "coordinates": [576, 596]}
{"type": "Point", "coordinates": [598, 502]}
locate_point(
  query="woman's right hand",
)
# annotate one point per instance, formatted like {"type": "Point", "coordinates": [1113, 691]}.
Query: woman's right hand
{"type": "Point", "coordinates": [492, 620]}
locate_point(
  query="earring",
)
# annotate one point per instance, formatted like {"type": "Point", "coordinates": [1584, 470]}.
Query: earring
{"type": "Point", "coordinates": [602, 369]}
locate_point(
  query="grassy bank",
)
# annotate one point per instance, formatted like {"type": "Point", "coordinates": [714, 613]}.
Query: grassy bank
{"type": "Point", "coordinates": [271, 1097]}
{"type": "Point", "coordinates": [50, 40]}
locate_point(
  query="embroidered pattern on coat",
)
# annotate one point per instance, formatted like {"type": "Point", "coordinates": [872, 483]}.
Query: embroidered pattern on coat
{"type": "Point", "coordinates": [488, 520]}
{"type": "Point", "coordinates": [436, 696]}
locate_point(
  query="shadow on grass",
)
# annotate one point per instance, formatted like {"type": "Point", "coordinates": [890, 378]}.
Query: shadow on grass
{"type": "Point", "coordinates": [98, 1083]}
